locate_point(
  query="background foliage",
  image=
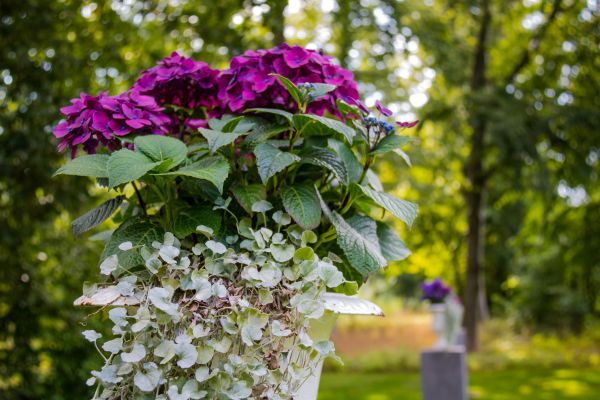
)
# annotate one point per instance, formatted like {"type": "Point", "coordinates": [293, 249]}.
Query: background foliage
{"type": "Point", "coordinates": [537, 160]}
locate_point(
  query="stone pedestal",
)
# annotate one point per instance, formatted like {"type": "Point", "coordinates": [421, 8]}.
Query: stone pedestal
{"type": "Point", "coordinates": [444, 374]}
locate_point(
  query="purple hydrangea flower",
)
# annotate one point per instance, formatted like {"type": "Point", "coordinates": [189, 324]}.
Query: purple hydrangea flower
{"type": "Point", "coordinates": [248, 83]}
{"type": "Point", "coordinates": [93, 120]}
{"type": "Point", "coordinates": [435, 291]}
{"type": "Point", "coordinates": [383, 110]}
{"type": "Point", "coordinates": [180, 81]}
{"type": "Point", "coordinates": [402, 124]}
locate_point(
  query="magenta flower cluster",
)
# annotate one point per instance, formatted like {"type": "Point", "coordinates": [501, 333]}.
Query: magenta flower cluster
{"type": "Point", "coordinates": [178, 81]}
{"type": "Point", "coordinates": [249, 83]}
{"type": "Point", "coordinates": [435, 291]}
{"type": "Point", "coordinates": [93, 120]}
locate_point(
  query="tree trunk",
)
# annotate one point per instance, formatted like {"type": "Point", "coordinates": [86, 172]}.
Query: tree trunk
{"type": "Point", "coordinates": [276, 20]}
{"type": "Point", "coordinates": [475, 196]}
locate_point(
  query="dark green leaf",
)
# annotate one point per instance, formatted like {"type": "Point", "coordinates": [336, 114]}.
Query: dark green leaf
{"type": "Point", "coordinates": [392, 247]}
{"type": "Point", "coordinates": [96, 216]}
{"type": "Point", "coordinates": [188, 219]}
{"type": "Point", "coordinates": [364, 256]}
{"type": "Point", "coordinates": [89, 165]}
{"type": "Point", "coordinates": [291, 88]}
{"type": "Point", "coordinates": [348, 157]}
{"type": "Point", "coordinates": [302, 203]}
{"type": "Point", "coordinates": [212, 169]}
{"type": "Point", "coordinates": [270, 160]}
{"type": "Point", "coordinates": [405, 210]}
{"type": "Point", "coordinates": [247, 195]}
{"type": "Point", "coordinates": [328, 159]}
{"type": "Point", "coordinates": [315, 125]}
{"type": "Point", "coordinates": [390, 143]}
{"type": "Point", "coordinates": [138, 232]}
{"type": "Point", "coordinates": [162, 148]}
{"type": "Point", "coordinates": [275, 111]}
{"type": "Point", "coordinates": [126, 166]}
{"type": "Point", "coordinates": [320, 89]}
{"type": "Point", "coordinates": [216, 140]}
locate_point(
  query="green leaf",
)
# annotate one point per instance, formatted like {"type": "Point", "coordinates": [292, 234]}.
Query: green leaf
{"type": "Point", "coordinates": [89, 165]}
{"type": "Point", "coordinates": [162, 148]}
{"type": "Point", "coordinates": [366, 226]}
{"type": "Point", "coordinates": [188, 219]}
{"type": "Point", "coordinates": [302, 203]}
{"type": "Point", "coordinates": [96, 216]}
{"type": "Point", "coordinates": [390, 143]}
{"type": "Point", "coordinates": [349, 288]}
{"type": "Point", "coordinates": [392, 247]}
{"type": "Point", "coordinates": [216, 140]}
{"type": "Point", "coordinates": [320, 89]}
{"type": "Point", "coordinates": [218, 124]}
{"type": "Point", "coordinates": [291, 88]}
{"type": "Point", "coordinates": [126, 166]}
{"type": "Point", "coordinates": [405, 210]}
{"type": "Point", "coordinates": [247, 195]}
{"type": "Point", "coordinates": [212, 169]}
{"type": "Point", "coordinates": [328, 159]}
{"type": "Point", "coordinates": [348, 157]}
{"type": "Point", "coordinates": [270, 160]}
{"type": "Point", "coordinates": [322, 126]}
{"type": "Point", "coordinates": [239, 124]}
{"type": "Point", "coordinates": [263, 132]}
{"type": "Point", "coordinates": [138, 232]}
{"type": "Point", "coordinates": [404, 156]}
{"type": "Point", "coordinates": [364, 255]}
{"type": "Point", "coordinates": [275, 111]}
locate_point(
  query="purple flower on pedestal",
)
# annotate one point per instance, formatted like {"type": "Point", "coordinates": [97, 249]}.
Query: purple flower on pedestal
{"type": "Point", "coordinates": [435, 291]}
{"type": "Point", "coordinates": [180, 81]}
{"type": "Point", "coordinates": [248, 82]}
{"type": "Point", "coordinates": [93, 120]}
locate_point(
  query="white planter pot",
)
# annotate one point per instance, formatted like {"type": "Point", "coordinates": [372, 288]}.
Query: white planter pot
{"type": "Point", "coordinates": [438, 324]}
{"type": "Point", "coordinates": [335, 304]}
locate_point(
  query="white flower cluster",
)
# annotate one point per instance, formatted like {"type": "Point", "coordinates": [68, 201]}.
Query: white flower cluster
{"type": "Point", "coordinates": [226, 318]}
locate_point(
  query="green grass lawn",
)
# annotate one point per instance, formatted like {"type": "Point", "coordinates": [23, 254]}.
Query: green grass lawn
{"type": "Point", "coordinates": [556, 384]}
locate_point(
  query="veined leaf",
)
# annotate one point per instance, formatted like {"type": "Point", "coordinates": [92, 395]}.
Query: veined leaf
{"type": "Point", "coordinates": [290, 87]}
{"type": "Point", "coordinates": [390, 143]}
{"type": "Point", "coordinates": [96, 216]}
{"type": "Point", "coordinates": [125, 166]}
{"type": "Point", "coordinates": [216, 140]}
{"type": "Point", "coordinates": [239, 124]}
{"type": "Point", "coordinates": [328, 159]}
{"type": "Point", "coordinates": [218, 124]}
{"type": "Point", "coordinates": [262, 133]}
{"type": "Point", "coordinates": [366, 226]}
{"type": "Point", "coordinates": [320, 89]}
{"type": "Point", "coordinates": [302, 203]}
{"type": "Point", "coordinates": [405, 210]}
{"type": "Point", "coordinates": [94, 165]}
{"type": "Point", "coordinates": [247, 195]}
{"type": "Point", "coordinates": [270, 160]}
{"type": "Point", "coordinates": [348, 157]}
{"type": "Point", "coordinates": [188, 219]}
{"type": "Point", "coordinates": [162, 148]}
{"type": "Point", "coordinates": [138, 232]}
{"type": "Point", "coordinates": [392, 247]}
{"type": "Point", "coordinates": [364, 255]}
{"type": "Point", "coordinates": [212, 169]}
{"type": "Point", "coordinates": [275, 111]}
{"type": "Point", "coordinates": [321, 126]}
